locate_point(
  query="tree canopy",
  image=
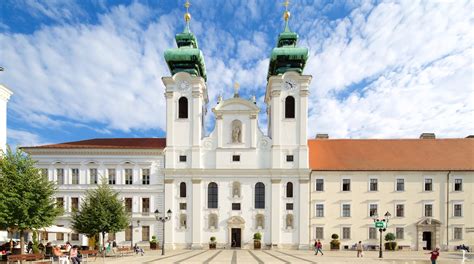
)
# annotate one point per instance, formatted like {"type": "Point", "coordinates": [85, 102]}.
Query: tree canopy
{"type": "Point", "coordinates": [26, 196]}
{"type": "Point", "coordinates": [101, 212]}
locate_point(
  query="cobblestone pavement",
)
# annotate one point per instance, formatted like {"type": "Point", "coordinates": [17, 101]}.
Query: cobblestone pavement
{"type": "Point", "coordinates": [282, 256]}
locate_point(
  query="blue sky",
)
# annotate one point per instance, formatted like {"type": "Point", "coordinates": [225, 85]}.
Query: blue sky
{"type": "Point", "coordinates": [381, 69]}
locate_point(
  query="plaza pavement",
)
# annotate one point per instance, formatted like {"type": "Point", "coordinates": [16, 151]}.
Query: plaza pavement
{"type": "Point", "coordinates": [282, 256]}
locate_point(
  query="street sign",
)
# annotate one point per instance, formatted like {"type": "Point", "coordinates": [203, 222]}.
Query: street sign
{"type": "Point", "coordinates": [380, 224]}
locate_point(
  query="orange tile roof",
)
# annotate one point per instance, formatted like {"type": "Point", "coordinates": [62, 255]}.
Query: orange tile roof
{"type": "Point", "coordinates": [109, 143]}
{"type": "Point", "coordinates": [391, 154]}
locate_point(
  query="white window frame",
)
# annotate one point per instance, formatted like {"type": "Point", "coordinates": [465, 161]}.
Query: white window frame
{"type": "Point", "coordinates": [396, 237]}
{"type": "Point", "coordinates": [424, 183]}
{"type": "Point", "coordinates": [404, 209]}
{"type": "Point", "coordinates": [342, 209]}
{"type": "Point", "coordinates": [432, 209]}
{"type": "Point", "coordinates": [462, 208]}
{"type": "Point", "coordinates": [342, 232]}
{"type": "Point", "coordinates": [368, 208]}
{"type": "Point", "coordinates": [368, 233]}
{"type": "Point", "coordinates": [404, 184]}
{"type": "Point", "coordinates": [316, 210]}
{"type": "Point", "coordinates": [373, 178]}
{"type": "Point", "coordinates": [454, 232]}
{"type": "Point", "coordinates": [315, 183]}
{"type": "Point", "coordinates": [462, 183]}
{"type": "Point", "coordinates": [315, 232]}
{"type": "Point", "coordinates": [350, 183]}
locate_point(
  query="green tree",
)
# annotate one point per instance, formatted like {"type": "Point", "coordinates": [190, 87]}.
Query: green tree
{"type": "Point", "coordinates": [26, 197]}
{"type": "Point", "coordinates": [101, 212]}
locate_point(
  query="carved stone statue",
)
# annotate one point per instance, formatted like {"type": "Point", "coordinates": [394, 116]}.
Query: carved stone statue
{"type": "Point", "coordinates": [260, 221]}
{"type": "Point", "coordinates": [212, 221]}
{"type": "Point", "coordinates": [236, 189]}
{"type": "Point", "coordinates": [289, 221]}
{"type": "Point", "coordinates": [236, 131]}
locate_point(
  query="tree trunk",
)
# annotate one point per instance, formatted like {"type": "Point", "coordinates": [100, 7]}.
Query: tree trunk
{"type": "Point", "coordinates": [103, 245]}
{"type": "Point", "coordinates": [22, 242]}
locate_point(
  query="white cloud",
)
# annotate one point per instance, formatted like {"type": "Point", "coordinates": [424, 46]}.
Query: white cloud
{"type": "Point", "coordinates": [23, 138]}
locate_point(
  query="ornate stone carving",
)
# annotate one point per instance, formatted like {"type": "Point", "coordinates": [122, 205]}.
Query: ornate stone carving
{"type": "Point", "coordinates": [236, 131]}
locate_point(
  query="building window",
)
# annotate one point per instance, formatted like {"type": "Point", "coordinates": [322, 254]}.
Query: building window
{"type": "Point", "coordinates": [213, 221]}
{"type": "Point", "coordinates": [289, 221]}
{"type": "Point", "coordinates": [346, 185]}
{"type": "Point", "coordinates": [260, 221]}
{"type": "Point", "coordinates": [319, 210]}
{"type": "Point", "coordinates": [112, 177]}
{"type": "Point", "coordinates": [60, 176]}
{"type": "Point", "coordinates": [458, 233]}
{"type": "Point", "coordinates": [428, 185]}
{"type": "Point", "coordinates": [74, 236]}
{"type": "Point", "coordinates": [145, 233]}
{"type": "Point", "coordinates": [319, 185]}
{"type": "Point", "coordinates": [373, 186]}
{"type": "Point", "coordinates": [346, 233]}
{"type": "Point", "coordinates": [182, 189]}
{"type": "Point", "coordinates": [60, 202]}
{"type": "Point", "coordinates": [259, 196]}
{"type": "Point", "coordinates": [400, 210]}
{"type": "Point", "coordinates": [212, 195]}
{"type": "Point", "coordinates": [289, 107]}
{"type": "Point", "coordinates": [60, 236]}
{"type": "Point", "coordinates": [235, 158]}
{"type": "Point", "coordinates": [236, 189]}
{"type": "Point", "coordinates": [182, 206]}
{"type": "Point", "coordinates": [289, 190]}
{"type": "Point", "coordinates": [183, 219]}
{"type": "Point", "coordinates": [457, 185]}
{"type": "Point", "coordinates": [319, 232]}
{"type": "Point", "coordinates": [346, 210]}
{"type": "Point", "coordinates": [74, 204]}
{"type": "Point", "coordinates": [145, 206]}
{"type": "Point", "coordinates": [146, 176]}
{"type": "Point", "coordinates": [400, 233]}
{"type": "Point", "coordinates": [457, 210]}
{"type": "Point", "coordinates": [373, 210]}
{"type": "Point", "coordinates": [400, 185]}
{"type": "Point", "coordinates": [236, 206]}
{"type": "Point", "coordinates": [428, 210]}
{"type": "Point", "coordinates": [93, 174]}
{"type": "Point", "coordinates": [182, 158]}
{"type": "Point", "coordinates": [128, 233]}
{"type": "Point", "coordinates": [289, 158]}
{"type": "Point", "coordinates": [183, 107]}
{"type": "Point", "coordinates": [128, 205]}
{"type": "Point", "coordinates": [372, 233]}
{"type": "Point", "coordinates": [128, 176]}
{"type": "Point", "coordinates": [289, 206]}
{"type": "Point", "coordinates": [75, 176]}
{"type": "Point", "coordinates": [44, 173]}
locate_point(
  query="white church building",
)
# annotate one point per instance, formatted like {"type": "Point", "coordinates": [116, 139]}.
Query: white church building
{"type": "Point", "coordinates": [237, 180]}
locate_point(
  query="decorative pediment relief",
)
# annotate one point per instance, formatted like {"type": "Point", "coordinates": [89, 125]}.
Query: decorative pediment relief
{"type": "Point", "coordinates": [428, 222]}
{"type": "Point", "coordinates": [236, 221]}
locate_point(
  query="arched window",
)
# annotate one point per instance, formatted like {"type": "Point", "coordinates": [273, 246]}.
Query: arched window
{"type": "Point", "coordinates": [236, 189]}
{"type": "Point", "coordinates": [260, 195]}
{"type": "Point", "coordinates": [213, 221]}
{"type": "Point", "coordinates": [182, 189]}
{"type": "Point", "coordinates": [290, 107]}
{"type": "Point", "coordinates": [183, 107]}
{"type": "Point", "coordinates": [212, 195]}
{"type": "Point", "coordinates": [289, 190]}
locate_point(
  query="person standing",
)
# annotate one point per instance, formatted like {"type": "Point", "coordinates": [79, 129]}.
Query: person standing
{"type": "Point", "coordinates": [318, 247]}
{"type": "Point", "coordinates": [74, 256]}
{"type": "Point", "coordinates": [359, 249]}
{"type": "Point", "coordinates": [434, 255]}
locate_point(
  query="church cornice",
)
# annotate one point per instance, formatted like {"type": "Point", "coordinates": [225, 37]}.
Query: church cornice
{"type": "Point", "coordinates": [244, 173]}
{"type": "Point", "coordinates": [100, 152]}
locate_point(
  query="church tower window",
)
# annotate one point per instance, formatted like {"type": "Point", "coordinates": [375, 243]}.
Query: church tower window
{"type": "Point", "coordinates": [259, 195]}
{"type": "Point", "coordinates": [183, 107]}
{"type": "Point", "coordinates": [212, 197]}
{"type": "Point", "coordinates": [290, 107]}
{"type": "Point", "coordinates": [182, 189]}
{"type": "Point", "coordinates": [289, 190]}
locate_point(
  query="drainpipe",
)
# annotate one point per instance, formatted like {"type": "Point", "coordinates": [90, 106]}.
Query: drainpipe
{"type": "Point", "coordinates": [447, 210]}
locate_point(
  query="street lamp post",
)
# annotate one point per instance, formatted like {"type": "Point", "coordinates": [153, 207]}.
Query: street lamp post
{"type": "Point", "coordinates": [382, 225]}
{"type": "Point", "coordinates": [163, 218]}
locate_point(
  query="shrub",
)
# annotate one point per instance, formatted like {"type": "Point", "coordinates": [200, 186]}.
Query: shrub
{"type": "Point", "coordinates": [213, 239]}
{"type": "Point", "coordinates": [389, 237]}
{"type": "Point", "coordinates": [257, 236]}
{"type": "Point", "coordinates": [335, 242]}
{"type": "Point", "coordinates": [335, 236]}
{"type": "Point", "coordinates": [153, 239]}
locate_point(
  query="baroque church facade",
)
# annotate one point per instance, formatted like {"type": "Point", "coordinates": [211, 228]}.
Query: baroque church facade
{"type": "Point", "coordinates": [237, 181]}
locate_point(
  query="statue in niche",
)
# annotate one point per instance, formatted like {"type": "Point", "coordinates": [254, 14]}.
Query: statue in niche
{"type": "Point", "coordinates": [236, 190]}
{"type": "Point", "coordinates": [289, 221]}
{"type": "Point", "coordinates": [260, 221]}
{"type": "Point", "coordinates": [212, 221]}
{"type": "Point", "coordinates": [236, 131]}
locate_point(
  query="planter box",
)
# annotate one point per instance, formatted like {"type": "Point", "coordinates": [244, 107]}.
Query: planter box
{"type": "Point", "coordinates": [257, 244]}
{"type": "Point", "coordinates": [212, 246]}
{"type": "Point", "coordinates": [153, 246]}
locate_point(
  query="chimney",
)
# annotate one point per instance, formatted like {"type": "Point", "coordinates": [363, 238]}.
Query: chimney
{"type": "Point", "coordinates": [427, 136]}
{"type": "Point", "coordinates": [322, 136]}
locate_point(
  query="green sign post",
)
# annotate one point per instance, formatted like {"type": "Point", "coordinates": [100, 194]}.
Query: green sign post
{"type": "Point", "coordinates": [380, 224]}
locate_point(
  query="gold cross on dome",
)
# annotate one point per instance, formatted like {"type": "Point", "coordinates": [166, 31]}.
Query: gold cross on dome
{"type": "Point", "coordinates": [236, 88]}
{"type": "Point", "coordinates": [286, 4]}
{"type": "Point", "coordinates": [187, 5]}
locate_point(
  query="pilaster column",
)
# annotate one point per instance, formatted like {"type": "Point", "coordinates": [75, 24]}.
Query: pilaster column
{"type": "Point", "coordinates": [196, 214]}
{"type": "Point", "coordinates": [276, 212]}
{"type": "Point", "coordinates": [253, 130]}
{"type": "Point", "coordinates": [303, 216]}
{"type": "Point", "coordinates": [169, 204]}
{"type": "Point", "coordinates": [220, 133]}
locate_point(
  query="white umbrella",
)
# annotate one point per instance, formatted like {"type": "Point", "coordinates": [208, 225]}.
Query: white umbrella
{"type": "Point", "coordinates": [57, 229]}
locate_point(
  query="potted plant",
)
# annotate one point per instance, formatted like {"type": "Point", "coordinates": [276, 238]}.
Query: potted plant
{"type": "Point", "coordinates": [390, 244]}
{"type": "Point", "coordinates": [256, 240]}
{"type": "Point", "coordinates": [212, 243]}
{"type": "Point", "coordinates": [335, 242]}
{"type": "Point", "coordinates": [153, 243]}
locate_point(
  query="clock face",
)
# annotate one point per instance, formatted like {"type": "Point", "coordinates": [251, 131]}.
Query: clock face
{"type": "Point", "coordinates": [183, 85]}
{"type": "Point", "coordinates": [290, 84]}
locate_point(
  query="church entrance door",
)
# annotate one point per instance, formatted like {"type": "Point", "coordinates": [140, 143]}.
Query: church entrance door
{"type": "Point", "coordinates": [236, 237]}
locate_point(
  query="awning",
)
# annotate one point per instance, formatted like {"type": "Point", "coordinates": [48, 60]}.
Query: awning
{"type": "Point", "coordinates": [56, 229]}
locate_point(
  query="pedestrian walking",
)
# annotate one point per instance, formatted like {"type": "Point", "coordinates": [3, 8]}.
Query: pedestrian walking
{"type": "Point", "coordinates": [318, 247]}
{"type": "Point", "coordinates": [359, 249]}
{"type": "Point", "coordinates": [434, 255]}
